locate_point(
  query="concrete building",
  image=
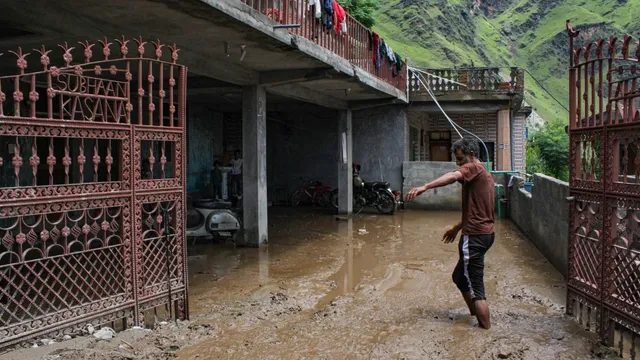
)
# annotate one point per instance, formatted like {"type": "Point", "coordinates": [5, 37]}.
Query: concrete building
{"type": "Point", "coordinates": [287, 97]}
{"type": "Point", "coordinates": [125, 143]}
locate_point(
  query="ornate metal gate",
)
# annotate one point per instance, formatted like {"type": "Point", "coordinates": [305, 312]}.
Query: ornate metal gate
{"type": "Point", "coordinates": [92, 188]}
{"type": "Point", "coordinates": [604, 239]}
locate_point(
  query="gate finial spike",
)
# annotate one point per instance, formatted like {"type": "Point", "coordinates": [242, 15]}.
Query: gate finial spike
{"type": "Point", "coordinates": [105, 48]}
{"type": "Point", "coordinates": [141, 45]}
{"type": "Point", "coordinates": [158, 47]}
{"type": "Point", "coordinates": [612, 46]}
{"type": "Point", "coordinates": [124, 50]}
{"type": "Point", "coordinates": [21, 62]}
{"type": "Point", "coordinates": [67, 53]}
{"type": "Point", "coordinates": [44, 57]}
{"type": "Point", "coordinates": [599, 47]}
{"type": "Point", "coordinates": [174, 52]}
{"type": "Point", "coordinates": [87, 50]}
{"type": "Point", "coordinates": [571, 31]}
{"type": "Point", "coordinates": [625, 46]}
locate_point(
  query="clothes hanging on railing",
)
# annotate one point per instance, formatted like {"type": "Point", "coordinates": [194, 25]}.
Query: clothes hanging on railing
{"type": "Point", "coordinates": [398, 62]}
{"type": "Point", "coordinates": [316, 7]}
{"type": "Point", "coordinates": [376, 50]}
{"type": "Point", "coordinates": [327, 14]}
{"type": "Point", "coordinates": [338, 16]}
{"type": "Point", "coordinates": [390, 54]}
{"type": "Point", "coordinates": [370, 33]}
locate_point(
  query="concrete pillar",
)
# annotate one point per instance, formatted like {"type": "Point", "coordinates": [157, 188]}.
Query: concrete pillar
{"type": "Point", "coordinates": [254, 169]}
{"type": "Point", "coordinates": [345, 159]}
{"type": "Point", "coordinates": [503, 151]}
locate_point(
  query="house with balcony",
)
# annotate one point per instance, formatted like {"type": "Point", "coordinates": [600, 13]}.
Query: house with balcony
{"type": "Point", "coordinates": [261, 78]}
{"type": "Point", "coordinates": [485, 101]}
{"type": "Point", "coordinates": [265, 78]}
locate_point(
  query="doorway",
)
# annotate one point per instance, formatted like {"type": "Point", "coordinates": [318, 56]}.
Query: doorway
{"type": "Point", "coordinates": [440, 146]}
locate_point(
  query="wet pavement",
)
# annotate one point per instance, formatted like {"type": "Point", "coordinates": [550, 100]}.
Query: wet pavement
{"type": "Point", "coordinates": [375, 287]}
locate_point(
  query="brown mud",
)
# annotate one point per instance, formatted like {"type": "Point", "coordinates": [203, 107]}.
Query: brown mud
{"type": "Point", "coordinates": [376, 287]}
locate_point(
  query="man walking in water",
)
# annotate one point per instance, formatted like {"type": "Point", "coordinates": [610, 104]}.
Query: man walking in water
{"type": "Point", "coordinates": [478, 204]}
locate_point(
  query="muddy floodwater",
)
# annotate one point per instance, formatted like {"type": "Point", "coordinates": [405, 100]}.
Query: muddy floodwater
{"type": "Point", "coordinates": [376, 287]}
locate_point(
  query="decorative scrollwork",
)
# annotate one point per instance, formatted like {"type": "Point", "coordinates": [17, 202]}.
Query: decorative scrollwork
{"type": "Point", "coordinates": [78, 218]}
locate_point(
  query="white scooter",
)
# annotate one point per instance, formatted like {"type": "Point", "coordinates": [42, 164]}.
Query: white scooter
{"type": "Point", "coordinates": [212, 219]}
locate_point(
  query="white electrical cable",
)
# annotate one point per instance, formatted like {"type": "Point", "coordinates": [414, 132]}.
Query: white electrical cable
{"type": "Point", "coordinates": [455, 126]}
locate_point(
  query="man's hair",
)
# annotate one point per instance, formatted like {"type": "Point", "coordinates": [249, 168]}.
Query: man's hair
{"type": "Point", "coordinates": [467, 146]}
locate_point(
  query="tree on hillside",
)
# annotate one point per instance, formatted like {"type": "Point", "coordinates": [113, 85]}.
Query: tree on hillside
{"type": "Point", "coordinates": [548, 151]}
{"type": "Point", "coordinates": [362, 10]}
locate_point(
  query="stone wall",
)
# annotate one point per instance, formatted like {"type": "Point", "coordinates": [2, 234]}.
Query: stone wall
{"type": "Point", "coordinates": [543, 217]}
{"type": "Point", "coordinates": [378, 143]}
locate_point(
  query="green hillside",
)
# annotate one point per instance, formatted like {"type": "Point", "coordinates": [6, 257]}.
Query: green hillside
{"type": "Point", "coordinates": [525, 33]}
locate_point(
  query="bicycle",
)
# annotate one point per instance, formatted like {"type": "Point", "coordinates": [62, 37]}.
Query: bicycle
{"type": "Point", "coordinates": [317, 193]}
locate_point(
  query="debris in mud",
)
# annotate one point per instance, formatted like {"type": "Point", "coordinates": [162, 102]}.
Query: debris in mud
{"type": "Point", "coordinates": [363, 232]}
{"type": "Point", "coordinates": [104, 334]}
{"type": "Point", "coordinates": [47, 342]}
{"type": "Point", "coordinates": [601, 351]}
{"type": "Point", "coordinates": [278, 298]}
{"type": "Point", "coordinates": [531, 297]}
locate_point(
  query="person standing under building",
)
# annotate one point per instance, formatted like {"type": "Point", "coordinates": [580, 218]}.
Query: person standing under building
{"type": "Point", "coordinates": [478, 206]}
{"type": "Point", "coordinates": [236, 174]}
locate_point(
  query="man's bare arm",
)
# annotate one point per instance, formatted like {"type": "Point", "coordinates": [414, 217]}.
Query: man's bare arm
{"type": "Point", "coordinates": [443, 180]}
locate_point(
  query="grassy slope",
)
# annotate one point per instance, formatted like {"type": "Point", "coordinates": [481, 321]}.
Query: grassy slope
{"type": "Point", "coordinates": [527, 34]}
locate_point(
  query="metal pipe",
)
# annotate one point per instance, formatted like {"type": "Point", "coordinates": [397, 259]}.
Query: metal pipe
{"type": "Point", "coordinates": [513, 162]}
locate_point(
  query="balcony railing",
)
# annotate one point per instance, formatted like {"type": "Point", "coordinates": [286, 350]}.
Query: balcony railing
{"type": "Point", "coordinates": [491, 80]}
{"type": "Point", "coordinates": [354, 45]}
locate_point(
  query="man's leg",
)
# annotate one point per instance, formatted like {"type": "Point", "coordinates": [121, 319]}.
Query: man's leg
{"type": "Point", "coordinates": [461, 282]}
{"type": "Point", "coordinates": [482, 313]}
{"type": "Point", "coordinates": [469, 301]}
{"type": "Point", "coordinates": [473, 250]}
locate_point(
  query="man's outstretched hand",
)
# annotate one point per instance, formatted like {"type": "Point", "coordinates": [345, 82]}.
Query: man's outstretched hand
{"type": "Point", "coordinates": [415, 192]}
{"type": "Point", "coordinates": [450, 235]}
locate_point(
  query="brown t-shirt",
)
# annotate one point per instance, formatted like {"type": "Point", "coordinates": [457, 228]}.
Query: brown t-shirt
{"type": "Point", "coordinates": [478, 199]}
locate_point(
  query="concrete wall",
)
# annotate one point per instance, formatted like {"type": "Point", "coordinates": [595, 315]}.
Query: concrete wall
{"type": "Point", "coordinates": [379, 143]}
{"type": "Point", "coordinates": [543, 217]}
{"type": "Point", "coordinates": [301, 144]}
{"type": "Point", "coordinates": [418, 173]}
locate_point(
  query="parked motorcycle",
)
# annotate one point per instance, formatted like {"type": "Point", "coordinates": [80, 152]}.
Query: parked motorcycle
{"type": "Point", "coordinates": [212, 219]}
{"type": "Point", "coordinates": [372, 194]}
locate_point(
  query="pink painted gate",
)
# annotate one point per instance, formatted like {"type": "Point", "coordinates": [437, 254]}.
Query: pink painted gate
{"type": "Point", "coordinates": [604, 238]}
{"type": "Point", "coordinates": [92, 187]}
